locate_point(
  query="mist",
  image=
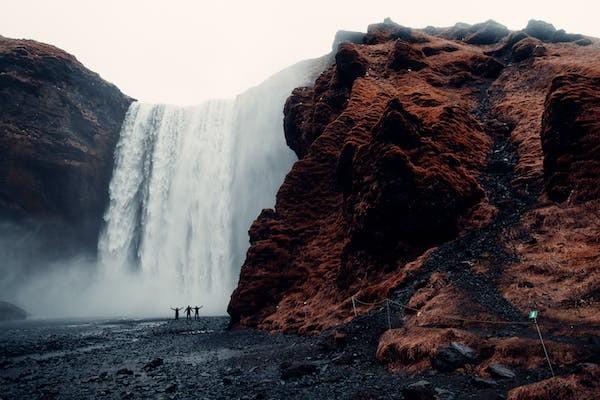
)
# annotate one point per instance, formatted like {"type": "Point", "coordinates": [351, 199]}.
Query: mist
{"type": "Point", "coordinates": [187, 183]}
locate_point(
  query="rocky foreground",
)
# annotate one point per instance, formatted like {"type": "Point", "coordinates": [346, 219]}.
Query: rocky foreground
{"type": "Point", "coordinates": [161, 359]}
{"type": "Point", "coordinates": [455, 172]}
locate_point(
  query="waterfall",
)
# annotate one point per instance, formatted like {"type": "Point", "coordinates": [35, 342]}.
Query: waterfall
{"type": "Point", "coordinates": [187, 183]}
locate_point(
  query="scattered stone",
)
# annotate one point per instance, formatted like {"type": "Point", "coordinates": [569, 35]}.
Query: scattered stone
{"type": "Point", "coordinates": [443, 394]}
{"type": "Point", "coordinates": [153, 364]}
{"type": "Point", "coordinates": [124, 371]}
{"type": "Point", "coordinates": [171, 388]}
{"type": "Point", "coordinates": [501, 371]}
{"type": "Point", "coordinates": [453, 356]}
{"type": "Point", "coordinates": [227, 381]}
{"type": "Point", "coordinates": [343, 359]}
{"type": "Point", "coordinates": [290, 371]}
{"type": "Point", "coordinates": [483, 383]}
{"type": "Point", "coordinates": [333, 340]}
{"type": "Point", "coordinates": [421, 390]}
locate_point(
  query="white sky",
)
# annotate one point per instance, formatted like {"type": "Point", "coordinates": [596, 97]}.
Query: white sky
{"type": "Point", "coordinates": [182, 52]}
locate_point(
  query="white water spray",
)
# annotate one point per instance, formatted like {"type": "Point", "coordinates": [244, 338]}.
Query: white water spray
{"type": "Point", "coordinates": [187, 183]}
{"type": "Point", "coordinates": [169, 216]}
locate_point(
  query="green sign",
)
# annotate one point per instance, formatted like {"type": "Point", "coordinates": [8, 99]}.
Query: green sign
{"type": "Point", "coordinates": [533, 314]}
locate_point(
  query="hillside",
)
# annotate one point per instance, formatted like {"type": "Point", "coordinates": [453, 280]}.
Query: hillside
{"type": "Point", "coordinates": [455, 172]}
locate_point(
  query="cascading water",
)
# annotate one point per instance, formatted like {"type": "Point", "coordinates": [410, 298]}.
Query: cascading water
{"type": "Point", "coordinates": [170, 206]}
{"type": "Point", "coordinates": [186, 185]}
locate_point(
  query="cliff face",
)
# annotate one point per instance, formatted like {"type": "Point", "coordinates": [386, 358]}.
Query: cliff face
{"type": "Point", "coordinates": [441, 168]}
{"type": "Point", "coordinates": [59, 124]}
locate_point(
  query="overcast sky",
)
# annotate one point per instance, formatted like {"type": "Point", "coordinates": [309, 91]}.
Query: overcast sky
{"type": "Point", "coordinates": [183, 52]}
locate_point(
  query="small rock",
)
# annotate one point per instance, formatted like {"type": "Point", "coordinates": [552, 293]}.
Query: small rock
{"type": "Point", "coordinates": [171, 388]}
{"type": "Point", "coordinates": [484, 383]}
{"type": "Point", "coordinates": [453, 356]}
{"type": "Point", "coordinates": [343, 359]}
{"type": "Point", "coordinates": [124, 371]}
{"type": "Point", "coordinates": [153, 364]}
{"type": "Point", "coordinates": [334, 340]}
{"type": "Point", "coordinates": [443, 394]}
{"type": "Point", "coordinates": [421, 390]}
{"type": "Point", "coordinates": [227, 380]}
{"type": "Point", "coordinates": [500, 371]}
{"type": "Point", "coordinates": [298, 370]}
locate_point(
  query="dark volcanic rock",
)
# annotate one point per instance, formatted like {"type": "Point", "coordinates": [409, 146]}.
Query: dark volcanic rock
{"type": "Point", "coordinates": [454, 356]}
{"type": "Point", "coordinates": [291, 371]}
{"type": "Point", "coordinates": [583, 42]}
{"type": "Point", "coordinates": [157, 362]}
{"type": "Point", "coordinates": [540, 29]}
{"type": "Point", "coordinates": [548, 33]}
{"type": "Point", "coordinates": [421, 390]}
{"type": "Point", "coordinates": [10, 312]}
{"type": "Point", "coordinates": [486, 33]}
{"type": "Point", "coordinates": [59, 124]}
{"type": "Point", "coordinates": [570, 137]}
{"type": "Point", "coordinates": [527, 48]}
{"type": "Point", "coordinates": [501, 371]}
{"type": "Point", "coordinates": [347, 37]}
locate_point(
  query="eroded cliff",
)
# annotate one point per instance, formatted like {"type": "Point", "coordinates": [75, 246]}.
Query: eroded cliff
{"type": "Point", "coordinates": [453, 171]}
{"type": "Point", "coordinates": [59, 124]}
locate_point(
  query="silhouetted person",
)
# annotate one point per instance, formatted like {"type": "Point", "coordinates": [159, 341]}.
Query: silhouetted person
{"type": "Point", "coordinates": [188, 312]}
{"type": "Point", "coordinates": [176, 309]}
{"type": "Point", "coordinates": [196, 309]}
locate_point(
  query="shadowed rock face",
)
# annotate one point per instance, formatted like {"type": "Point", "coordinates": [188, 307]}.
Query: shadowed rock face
{"type": "Point", "coordinates": [59, 123]}
{"type": "Point", "coordinates": [571, 138]}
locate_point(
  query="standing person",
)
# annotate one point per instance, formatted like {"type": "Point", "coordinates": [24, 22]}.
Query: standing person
{"type": "Point", "coordinates": [196, 309]}
{"type": "Point", "coordinates": [176, 309]}
{"type": "Point", "coordinates": [188, 312]}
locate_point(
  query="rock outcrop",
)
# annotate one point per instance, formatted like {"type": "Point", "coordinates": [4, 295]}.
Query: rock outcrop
{"type": "Point", "coordinates": [59, 123]}
{"type": "Point", "coordinates": [571, 138]}
{"type": "Point", "coordinates": [441, 169]}
{"type": "Point", "coordinates": [10, 312]}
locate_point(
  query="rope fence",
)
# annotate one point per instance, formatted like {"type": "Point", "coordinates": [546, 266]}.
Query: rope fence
{"type": "Point", "coordinates": [388, 302]}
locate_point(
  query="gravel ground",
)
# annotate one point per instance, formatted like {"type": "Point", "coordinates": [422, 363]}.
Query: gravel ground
{"type": "Point", "coordinates": [166, 359]}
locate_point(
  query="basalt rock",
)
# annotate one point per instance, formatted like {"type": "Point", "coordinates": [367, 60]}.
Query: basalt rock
{"type": "Point", "coordinates": [548, 33]}
{"type": "Point", "coordinates": [527, 48]}
{"type": "Point", "coordinates": [59, 124]}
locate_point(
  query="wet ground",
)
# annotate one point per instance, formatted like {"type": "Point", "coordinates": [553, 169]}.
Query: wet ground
{"type": "Point", "coordinates": [166, 359]}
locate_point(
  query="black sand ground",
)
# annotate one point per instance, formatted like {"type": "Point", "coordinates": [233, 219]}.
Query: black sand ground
{"type": "Point", "coordinates": [201, 360]}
